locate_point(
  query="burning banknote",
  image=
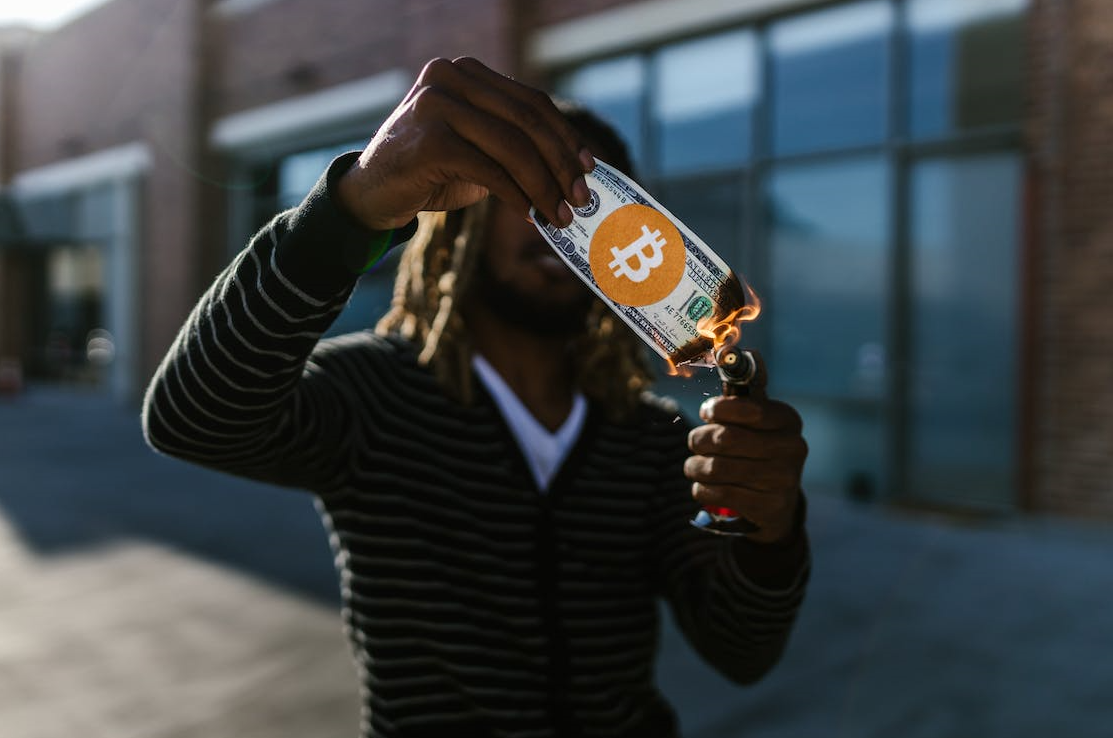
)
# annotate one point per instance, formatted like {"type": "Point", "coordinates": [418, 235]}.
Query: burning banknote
{"type": "Point", "coordinates": [655, 273]}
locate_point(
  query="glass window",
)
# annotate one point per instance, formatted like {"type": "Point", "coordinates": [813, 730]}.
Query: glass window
{"type": "Point", "coordinates": [811, 96]}
{"type": "Point", "coordinates": [964, 348]}
{"type": "Point", "coordinates": [298, 173]}
{"type": "Point", "coordinates": [829, 276]}
{"type": "Point", "coordinates": [712, 207]}
{"type": "Point", "coordinates": [830, 72]}
{"type": "Point", "coordinates": [703, 104]}
{"type": "Point", "coordinates": [965, 63]}
{"type": "Point", "coordinates": [614, 89]}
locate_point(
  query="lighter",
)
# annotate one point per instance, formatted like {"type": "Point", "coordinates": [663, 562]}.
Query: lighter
{"type": "Point", "coordinates": [743, 375]}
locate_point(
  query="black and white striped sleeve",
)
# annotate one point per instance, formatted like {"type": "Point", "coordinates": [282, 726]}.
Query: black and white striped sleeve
{"type": "Point", "coordinates": [736, 601]}
{"type": "Point", "coordinates": [238, 389]}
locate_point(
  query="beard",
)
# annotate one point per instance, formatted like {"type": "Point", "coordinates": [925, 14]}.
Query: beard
{"type": "Point", "coordinates": [530, 311]}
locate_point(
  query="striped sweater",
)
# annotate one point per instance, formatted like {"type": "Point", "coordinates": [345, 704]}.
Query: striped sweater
{"type": "Point", "coordinates": [475, 606]}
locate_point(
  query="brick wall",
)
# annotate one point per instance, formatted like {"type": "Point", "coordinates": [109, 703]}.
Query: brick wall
{"type": "Point", "coordinates": [1071, 141]}
{"type": "Point", "coordinates": [548, 13]}
{"type": "Point", "coordinates": [127, 72]}
{"type": "Point", "coordinates": [293, 48]}
{"type": "Point", "coordinates": [109, 78]}
{"type": "Point", "coordinates": [13, 41]}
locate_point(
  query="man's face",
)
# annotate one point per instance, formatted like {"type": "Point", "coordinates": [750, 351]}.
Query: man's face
{"type": "Point", "coordinates": [524, 282]}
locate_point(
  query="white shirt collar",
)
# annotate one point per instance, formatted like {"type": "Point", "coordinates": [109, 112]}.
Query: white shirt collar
{"type": "Point", "coordinates": [545, 451]}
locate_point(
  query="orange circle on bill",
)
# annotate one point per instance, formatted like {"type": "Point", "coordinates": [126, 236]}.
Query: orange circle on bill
{"type": "Point", "coordinates": [636, 256]}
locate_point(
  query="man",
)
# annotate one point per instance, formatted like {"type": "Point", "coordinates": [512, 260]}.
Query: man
{"type": "Point", "coordinates": [506, 503]}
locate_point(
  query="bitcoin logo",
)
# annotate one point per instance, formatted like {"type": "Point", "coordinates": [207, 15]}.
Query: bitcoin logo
{"type": "Point", "coordinates": [647, 260]}
{"type": "Point", "coordinates": [637, 256]}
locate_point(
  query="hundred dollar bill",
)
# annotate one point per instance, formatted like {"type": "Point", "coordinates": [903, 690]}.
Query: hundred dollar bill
{"type": "Point", "coordinates": [650, 268]}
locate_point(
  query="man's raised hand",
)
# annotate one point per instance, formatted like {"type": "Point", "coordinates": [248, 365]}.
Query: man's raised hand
{"type": "Point", "coordinates": [462, 132]}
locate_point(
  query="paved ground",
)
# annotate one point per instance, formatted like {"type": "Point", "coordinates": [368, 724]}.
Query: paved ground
{"type": "Point", "coordinates": [143, 598]}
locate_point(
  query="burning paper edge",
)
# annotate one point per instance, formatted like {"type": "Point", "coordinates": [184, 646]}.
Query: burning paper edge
{"type": "Point", "coordinates": [715, 333]}
{"type": "Point", "coordinates": [727, 331]}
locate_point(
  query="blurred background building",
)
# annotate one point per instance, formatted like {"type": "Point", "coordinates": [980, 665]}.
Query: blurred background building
{"type": "Point", "coordinates": [918, 190]}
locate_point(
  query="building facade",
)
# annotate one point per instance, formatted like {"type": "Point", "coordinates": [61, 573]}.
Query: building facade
{"type": "Point", "coordinates": [915, 188]}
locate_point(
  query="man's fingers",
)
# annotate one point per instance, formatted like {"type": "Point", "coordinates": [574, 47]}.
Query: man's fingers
{"type": "Point", "coordinates": [772, 514]}
{"type": "Point", "coordinates": [747, 443]}
{"type": "Point", "coordinates": [481, 168]}
{"type": "Point", "coordinates": [492, 153]}
{"type": "Point", "coordinates": [757, 474]}
{"type": "Point", "coordinates": [749, 457]}
{"type": "Point", "coordinates": [517, 126]}
{"type": "Point", "coordinates": [537, 114]}
{"type": "Point", "coordinates": [516, 158]}
{"type": "Point", "coordinates": [755, 505]}
{"type": "Point", "coordinates": [758, 414]}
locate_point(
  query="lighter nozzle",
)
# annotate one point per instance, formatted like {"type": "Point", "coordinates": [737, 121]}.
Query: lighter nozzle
{"type": "Point", "coordinates": [736, 366]}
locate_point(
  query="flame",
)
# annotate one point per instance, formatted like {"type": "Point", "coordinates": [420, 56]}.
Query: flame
{"type": "Point", "coordinates": [725, 331]}
{"type": "Point", "coordinates": [728, 330]}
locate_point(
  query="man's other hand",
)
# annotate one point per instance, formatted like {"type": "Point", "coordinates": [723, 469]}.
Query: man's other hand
{"type": "Point", "coordinates": [749, 456]}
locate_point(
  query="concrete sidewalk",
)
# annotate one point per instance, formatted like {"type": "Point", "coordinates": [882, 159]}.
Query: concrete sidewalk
{"type": "Point", "coordinates": [133, 640]}
{"type": "Point", "coordinates": [146, 598]}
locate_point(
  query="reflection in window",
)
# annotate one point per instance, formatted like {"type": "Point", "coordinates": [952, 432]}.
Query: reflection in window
{"type": "Point", "coordinates": [965, 62]}
{"type": "Point", "coordinates": [613, 89]}
{"type": "Point", "coordinates": [830, 78]}
{"type": "Point", "coordinates": [829, 231]}
{"type": "Point", "coordinates": [964, 353]}
{"type": "Point", "coordinates": [704, 102]}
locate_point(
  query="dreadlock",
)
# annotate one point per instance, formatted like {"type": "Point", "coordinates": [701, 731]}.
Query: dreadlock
{"type": "Point", "coordinates": [436, 273]}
